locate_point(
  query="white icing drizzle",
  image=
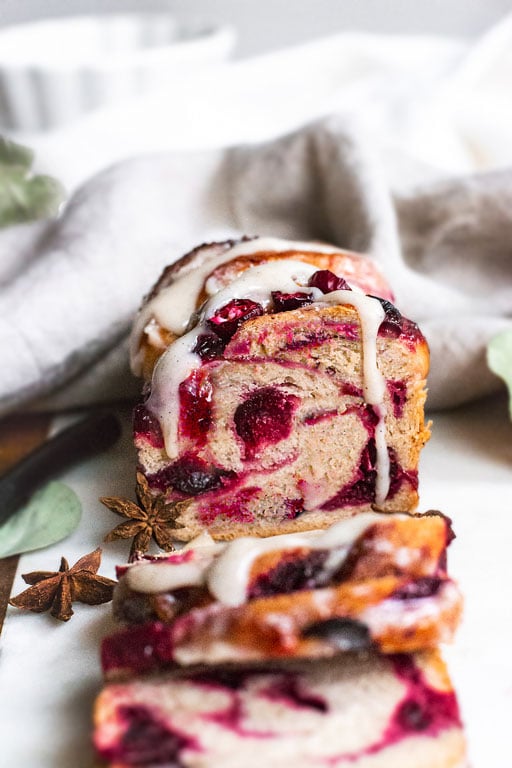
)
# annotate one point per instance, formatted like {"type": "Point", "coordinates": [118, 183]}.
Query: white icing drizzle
{"type": "Point", "coordinates": [172, 368]}
{"type": "Point", "coordinates": [257, 284]}
{"type": "Point", "coordinates": [152, 578]}
{"type": "Point", "coordinates": [371, 315]}
{"type": "Point", "coordinates": [173, 305]}
{"type": "Point", "coordinates": [160, 575]}
{"type": "Point", "coordinates": [382, 479]}
{"type": "Point", "coordinates": [227, 574]}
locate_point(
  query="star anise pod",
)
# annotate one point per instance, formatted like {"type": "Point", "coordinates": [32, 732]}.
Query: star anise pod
{"type": "Point", "coordinates": [55, 591]}
{"type": "Point", "coordinates": [150, 518]}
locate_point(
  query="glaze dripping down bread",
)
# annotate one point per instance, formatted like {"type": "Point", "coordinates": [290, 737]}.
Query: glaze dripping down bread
{"type": "Point", "coordinates": [362, 711]}
{"type": "Point", "coordinates": [377, 581]}
{"type": "Point", "coordinates": [285, 390]}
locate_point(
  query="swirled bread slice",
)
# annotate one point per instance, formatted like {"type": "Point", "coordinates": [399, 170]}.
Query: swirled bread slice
{"type": "Point", "coordinates": [377, 581]}
{"type": "Point", "coordinates": [292, 398]}
{"type": "Point", "coordinates": [362, 711]}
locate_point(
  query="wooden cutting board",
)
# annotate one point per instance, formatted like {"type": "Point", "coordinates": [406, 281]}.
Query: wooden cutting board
{"type": "Point", "coordinates": [19, 434]}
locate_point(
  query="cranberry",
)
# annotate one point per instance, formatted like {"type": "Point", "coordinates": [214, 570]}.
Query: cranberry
{"type": "Point", "coordinates": [412, 716]}
{"type": "Point", "coordinates": [209, 346]}
{"type": "Point", "coordinates": [327, 281]}
{"type": "Point", "coordinates": [234, 506]}
{"type": "Point", "coordinates": [398, 394]}
{"type": "Point", "coordinates": [423, 708]}
{"type": "Point", "coordinates": [422, 587]}
{"type": "Point", "coordinates": [289, 690]}
{"type": "Point", "coordinates": [410, 333]}
{"type": "Point", "coordinates": [264, 418]}
{"type": "Point", "coordinates": [360, 490]}
{"type": "Point", "coordinates": [137, 649]}
{"type": "Point", "coordinates": [351, 390]}
{"type": "Point", "coordinates": [398, 475]}
{"type": "Point", "coordinates": [226, 321]}
{"type": "Point", "coordinates": [369, 418]}
{"type": "Point", "coordinates": [291, 574]}
{"type": "Point", "coordinates": [293, 507]}
{"type": "Point", "coordinates": [147, 426]}
{"type": "Point", "coordinates": [191, 476]}
{"type": "Point", "coordinates": [342, 633]}
{"type": "Point", "coordinates": [392, 325]}
{"type": "Point", "coordinates": [147, 741]}
{"type": "Point", "coordinates": [196, 407]}
{"type": "Point", "coordinates": [284, 302]}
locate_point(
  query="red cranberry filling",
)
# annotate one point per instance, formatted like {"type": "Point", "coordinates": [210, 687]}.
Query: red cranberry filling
{"type": "Point", "coordinates": [264, 418]}
{"type": "Point", "coordinates": [392, 325]}
{"type": "Point", "coordinates": [423, 708]}
{"type": "Point", "coordinates": [361, 490]}
{"type": "Point", "coordinates": [398, 394]}
{"type": "Point", "coordinates": [293, 507]}
{"type": "Point", "coordinates": [147, 741]}
{"type": "Point", "coordinates": [288, 689]}
{"type": "Point", "coordinates": [137, 649]}
{"type": "Point", "coordinates": [209, 346]}
{"type": "Point", "coordinates": [328, 282]}
{"type": "Point", "coordinates": [410, 333]}
{"type": "Point", "coordinates": [369, 418]}
{"type": "Point", "coordinates": [309, 339]}
{"type": "Point", "coordinates": [283, 302]}
{"type": "Point", "coordinates": [235, 508]}
{"type": "Point", "coordinates": [351, 390]}
{"type": "Point", "coordinates": [147, 426]}
{"type": "Point", "coordinates": [226, 321]}
{"type": "Point", "coordinates": [292, 574]}
{"type": "Point", "coordinates": [427, 586]}
{"type": "Point", "coordinates": [398, 475]}
{"type": "Point", "coordinates": [195, 407]}
{"type": "Point", "coordinates": [191, 476]}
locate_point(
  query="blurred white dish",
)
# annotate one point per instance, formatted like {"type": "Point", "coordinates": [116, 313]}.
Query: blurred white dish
{"type": "Point", "coordinates": [52, 71]}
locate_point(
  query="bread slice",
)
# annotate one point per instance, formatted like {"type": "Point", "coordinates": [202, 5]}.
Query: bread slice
{"type": "Point", "coordinates": [290, 400]}
{"type": "Point", "coordinates": [377, 581]}
{"type": "Point", "coordinates": [362, 711]}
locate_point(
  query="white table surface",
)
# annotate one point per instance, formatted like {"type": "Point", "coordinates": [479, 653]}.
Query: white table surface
{"type": "Point", "coordinates": [49, 671]}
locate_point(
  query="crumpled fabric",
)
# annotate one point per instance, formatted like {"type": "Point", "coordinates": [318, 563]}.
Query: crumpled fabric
{"type": "Point", "coordinates": [69, 289]}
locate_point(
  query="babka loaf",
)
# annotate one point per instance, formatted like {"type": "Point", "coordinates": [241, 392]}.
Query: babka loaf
{"type": "Point", "coordinates": [376, 581]}
{"type": "Point", "coordinates": [362, 711]}
{"type": "Point", "coordinates": [286, 390]}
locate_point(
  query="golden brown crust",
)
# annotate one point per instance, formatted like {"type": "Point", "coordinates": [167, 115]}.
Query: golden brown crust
{"type": "Point", "coordinates": [394, 555]}
{"type": "Point", "coordinates": [356, 268]}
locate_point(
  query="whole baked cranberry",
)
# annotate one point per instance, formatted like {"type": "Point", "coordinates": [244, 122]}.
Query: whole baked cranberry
{"type": "Point", "coordinates": [264, 418]}
{"type": "Point", "coordinates": [209, 346]}
{"type": "Point", "coordinates": [328, 282]}
{"type": "Point", "coordinates": [284, 302]}
{"type": "Point", "coordinates": [392, 325]}
{"type": "Point", "coordinates": [226, 321]}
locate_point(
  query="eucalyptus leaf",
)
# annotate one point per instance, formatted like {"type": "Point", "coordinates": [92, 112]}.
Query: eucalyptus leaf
{"type": "Point", "coordinates": [499, 360]}
{"type": "Point", "coordinates": [51, 514]}
{"type": "Point", "coordinates": [23, 195]}
{"type": "Point", "coordinates": [15, 154]}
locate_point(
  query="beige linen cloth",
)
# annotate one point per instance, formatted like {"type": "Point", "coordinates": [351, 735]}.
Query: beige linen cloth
{"type": "Point", "coordinates": [69, 289]}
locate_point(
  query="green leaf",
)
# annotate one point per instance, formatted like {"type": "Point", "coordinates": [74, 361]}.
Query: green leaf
{"type": "Point", "coordinates": [51, 514]}
{"type": "Point", "coordinates": [23, 196]}
{"type": "Point", "coordinates": [499, 359]}
{"type": "Point", "coordinates": [15, 154]}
